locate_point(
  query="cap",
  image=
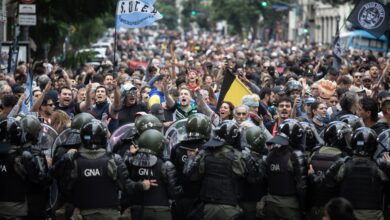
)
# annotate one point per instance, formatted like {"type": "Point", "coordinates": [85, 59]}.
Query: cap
{"type": "Point", "coordinates": [250, 101]}
{"type": "Point", "coordinates": [214, 143]}
{"type": "Point", "coordinates": [356, 89]}
{"type": "Point", "coordinates": [158, 111]}
{"type": "Point", "coordinates": [278, 139]}
{"type": "Point", "coordinates": [106, 63]}
{"type": "Point", "coordinates": [309, 101]}
{"type": "Point", "coordinates": [279, 90]}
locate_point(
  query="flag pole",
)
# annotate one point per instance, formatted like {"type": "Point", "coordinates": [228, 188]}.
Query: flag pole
{"type": "Point", "coordinates": [115, 46]}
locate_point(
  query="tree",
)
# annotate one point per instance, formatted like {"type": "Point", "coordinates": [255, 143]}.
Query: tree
{"type": "Point", "coordinates": [55, 20]}
{"type": "Point", "coordinates": [170, 14]}
{"type": "Point", "coordinates": [241, 15]}
{"type": "Point", "coordinates": [195, 11]}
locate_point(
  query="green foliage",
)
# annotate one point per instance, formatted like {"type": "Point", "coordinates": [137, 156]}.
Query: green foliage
{"type": "Point", "coordinates": [195, 11]}
{"type": "Point", "coordinates": [56, 18]}
{"type": "Point", "coordinates": [239, 14]}
{"type": "Point", "coordinates": [75, 59]}
{"type": "Point", "coordinates": [170, 13]}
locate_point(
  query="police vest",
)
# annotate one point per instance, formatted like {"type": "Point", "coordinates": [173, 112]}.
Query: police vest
{"type": "Point", "coordinates": [219, 184]}
{"type": "Point", "coordinates": [156, 195]}
{"type": "Point", "coordinates": [94, 188]}
{"type": "Point", "coordinates": [361, 184]}
{"type": "Point", "coordinates": [12, 186]}
{"type": "Point", "coordinates": [281, 180]}
{"type": "Point", "coordinates": [319, 194]}
{"type": "Point", "coordinates": [253, 192]}
{"type": "Point", "coordinates": [190, 188]}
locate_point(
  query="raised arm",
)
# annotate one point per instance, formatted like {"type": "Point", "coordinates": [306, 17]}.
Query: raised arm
{"type": "Point", "coordinates": [84, 106]}
{"type": "Point", "coordinates": [38, 102]}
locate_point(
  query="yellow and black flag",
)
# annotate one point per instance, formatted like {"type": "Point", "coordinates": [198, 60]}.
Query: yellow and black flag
{"type": "Point", "coordinates": [232, 89]}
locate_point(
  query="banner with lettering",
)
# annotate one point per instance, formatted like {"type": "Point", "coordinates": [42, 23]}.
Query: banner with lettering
{"type": "Point", "coordinates": [136, 13]}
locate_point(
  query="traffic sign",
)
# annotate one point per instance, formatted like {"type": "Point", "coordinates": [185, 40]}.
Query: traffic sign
{"type": "Point", "coordinates": [27, 20]}
{"type": "Point", "coordinates": [27, 9]}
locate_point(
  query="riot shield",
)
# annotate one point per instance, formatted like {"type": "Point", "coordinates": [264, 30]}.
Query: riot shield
{"type": "Point", "coordinates": [125, 133]}
{"type": "Point", "coordinates": [174, 134]}
{"type": "Point", "coordinates": [46, 139]}
{"type": "Point", "coordinates": [60, 140]}
{"type": "Point", "coordinates": [383, 143]}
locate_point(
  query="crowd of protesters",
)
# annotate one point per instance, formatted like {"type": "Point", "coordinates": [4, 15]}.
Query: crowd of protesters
{"type": "Point", "coordinates": [174, 77]}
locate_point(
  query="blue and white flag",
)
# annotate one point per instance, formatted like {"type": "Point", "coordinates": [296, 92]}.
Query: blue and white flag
{"type": "Point", "coordinates": [28, 102]}
{"type": "Point", "coordinates": [136, 13]}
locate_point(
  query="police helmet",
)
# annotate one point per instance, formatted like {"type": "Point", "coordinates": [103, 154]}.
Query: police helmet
{"type": "Point", "coordinates": [146, 122]}
{"type": "Point", "coordinates": [311, 136]}
{"type": "Point", "coordinates": [338, 134]}
{"type": "Point", "coordinates": [294, 131]}
{"type": "Point", "coordinates": [94, 135]}
{"type": "Point", "coordinates": [384, 139]}
{"type": "Point", "coordinates": [31, 128]}
{"type": "Point", "coordinates": [255, 137]}
{"type": "Point", "coordinates": [364, 142]}
{"type": "Point", "coordinates": [354, 121]}
{"type": "Point", "coordinates": [229, 131]}
{"type": "Point", "coordinates": [152, 140]}
{"type": "Point", "coordinates": [293, 85]}
{"type": "Point", "coordinates": [198, 126]}
{"type": "Point", "coordinates": [80, 120]}
{"type": "Point", "coordinates": [11, 132]}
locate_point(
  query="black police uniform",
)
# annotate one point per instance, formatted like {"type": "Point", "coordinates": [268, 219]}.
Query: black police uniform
{"type": "Point", "coordinates": [220, 170]}
{"type": "Point", "coordinates": [255, 185]}
{"type": "Point", "coordinates": [91, 180]}
{"type": "Point", "coordinates": [18, 169]}
{"type": "Point", "coordinates": [38, 191]}
{"type": "Point", "coordinates": [286, 173]}
{"type": "Point", "coordinates": [361, 182]}
{"type": "Point", "coordinates": [184, 204]}
{"type": "Point", "coordinates": [318, 193]}
{"type": "Point", "coordinates": [153, 203]}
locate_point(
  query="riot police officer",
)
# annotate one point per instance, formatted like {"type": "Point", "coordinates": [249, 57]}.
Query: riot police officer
{"type": "Point", "coordinates": [72, 139]}
{"type": "Point", "coordinates": [286, 173]}
{"type": "Point", "coordinates": [311, 139]}
{"type": "Point", "coordinates": [91, 177]}
{"type": "Point", "coordinates": [129, 139]}
{"type": "Point", "coordinates": [220, 167]}
{"type": "Point", "coordinates": [353, 121]}
{"type": "Point", "coordinates": [360, 179]}
{"type": "Point", "coordinates": [146, 164]}
{"type": "Point", "coordinates": [255, 187]}
{"type": "Point", "coordinates": [198, 129]}
{"type": "Point", "coordinates": [21, 168]}
{"type": "Point", "coordinates": [69, 140]}
{"type": "Point", "coordinates": [337, 136]}
{"type": "Point", "coordinates": [38, 193]}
